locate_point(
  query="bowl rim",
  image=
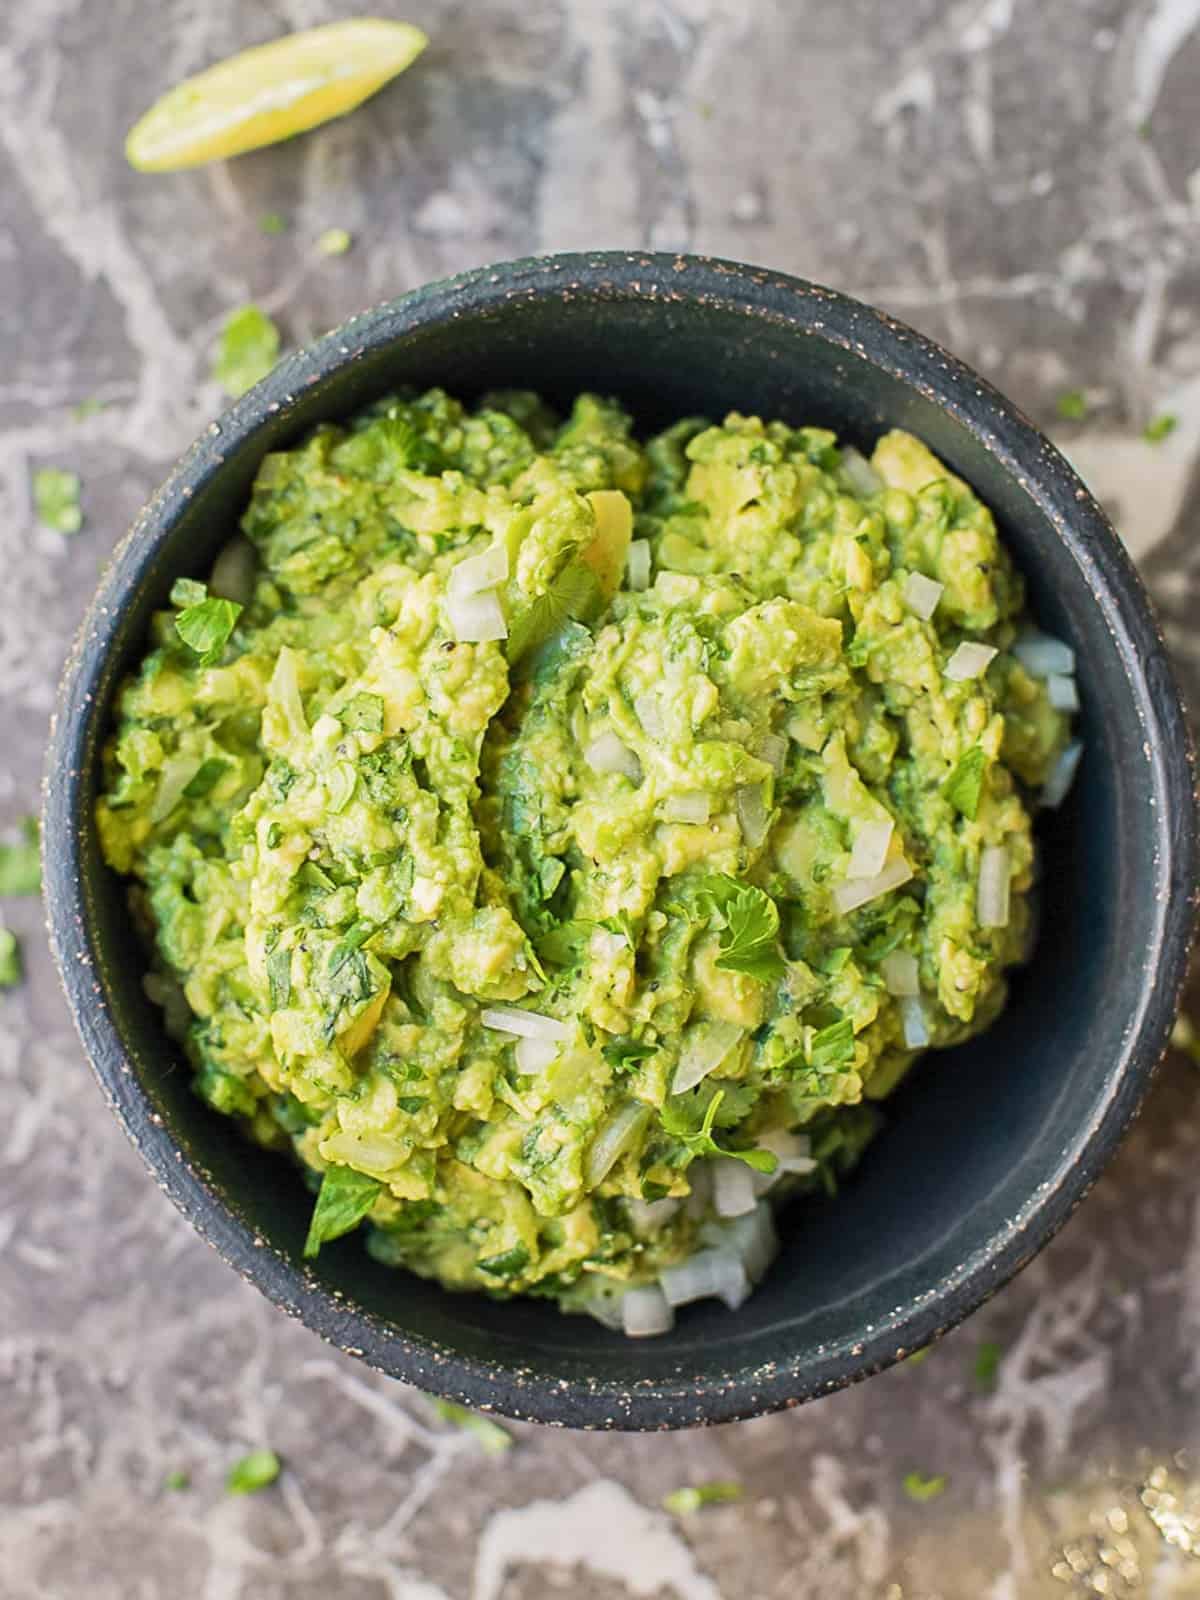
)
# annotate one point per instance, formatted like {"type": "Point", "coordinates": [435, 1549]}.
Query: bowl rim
{"type": "Point", "coordinates": [1023, 452]}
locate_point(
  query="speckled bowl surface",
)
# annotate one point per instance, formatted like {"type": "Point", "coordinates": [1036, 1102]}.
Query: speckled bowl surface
{"type": "Point", "coordinates": [987, 1148]}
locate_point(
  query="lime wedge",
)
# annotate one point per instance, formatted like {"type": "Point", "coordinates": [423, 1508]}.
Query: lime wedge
{"type": "Point", "coordinates": [272, 92]}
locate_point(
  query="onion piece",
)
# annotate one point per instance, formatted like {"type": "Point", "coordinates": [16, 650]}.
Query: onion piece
{"type": "Point", "coordinates": [733, 1187]}
{"type": "Point", "coordinates": [694, 806]}
{"type": "Point", "coordinates": [483, 571]}
{"type": "Point", "coordinates": [921, 595]}
{"type": "Point", "coordinates": [863, 478]}
{"type": "Point", "coordinates": [970, 660]}
{"type": "Point", "coordinates": [1062, 776]}
{"type": "Point", "coordinates": [753, 1238]}
{"type": "Point", "coordinates": [717, 1273]}
{"type": "Point", "coordinates": [637, 565]}
{"type": "Point", "coordinates": [1061, 692]}
{"type": "Point", "coordinates": [234, 571]}
{"type": "Point", "coordinates": [648, 1216]}
{"type": "Point", "coordinates": [649, 714]}
{"type": "Point", "coordinates": [614, 1138]}
{"type": "Point", "coordinates": [604, 1302]}
{"type": "Point", "coordinates": [707, 1045]}
{"type": "Point", "coordinates": [753, 816]}
{"type": "Point", "coordinates": [1042, 655]}
{"type": "Point", "coordinates": [645, 1312]}
{"type": "Point", "coordinates": [900, 973]}
{"type": "Point", "coordinates": [792, 1158]}
{"type": "Point", "coordinates": [916, 1027]}
{"type": "Point", "coordinates": [869, 855]}
{"type": "Point", "coordinates": [535, 1055]}
{"type": "Point", "coordinates": [476, 618]}
{"type": "Point", "coordinates": [608, 754]}
{"type": "Point", "coordinates": [855, 892]}
{"type": "Point", "coordinates": [525, 1024]}
{"type": "Point", "coordinates": [773, 749]}
{"type": "Point", "coordinates": [177, 773]}
{"type": "Point", "coordinates": [992, 892]}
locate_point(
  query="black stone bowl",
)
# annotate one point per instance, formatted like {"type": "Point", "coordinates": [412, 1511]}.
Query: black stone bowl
{"type": "Point", "coordinates": [988, 1147]}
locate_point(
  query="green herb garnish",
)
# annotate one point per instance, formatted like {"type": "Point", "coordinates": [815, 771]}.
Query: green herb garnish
{"type": "Point", "coordinates": [344, 1199]}
{"type": "Point", "coordinates": [272, 222]}
{"type": "Point", "coordinates": [177, 1480]}
{"type": "Point", "coordinates": [253, 1472]}
{"type": "Point", "coordinates": [11, 970]}
{"type": "Point", "coordinates": [334, 242]}
{"type": "Point", "coordinates": [205, 779]}
{"type": "Point", "coordinates": [362, 714]}
{"type": "Point", "coordinates": [56, 499]}
{"type": "Point", "coordinates": [699, 1142]}
{"type": "Point", "coordinates": [680, 1502]}
{"type": "Point", "coordinates": [1157, 429]}
{"type": "Point", "coordinates": [279, 978]}
{"type": "Point", "coordinates": [750, 936]}
{"type": "Point", "coordinates": [1072, 406]}
{"type": "Point", "coordinates": [621, 1052]}
{"type": "Point", "coordinates": [247, 350]}
{"type": "Point", "coordinates": [205, 623]}
{"type": "Point", "coordinates": [89, 406]}
{"type": "Point", "coordinates": [573, 596]}
{"type": "Point", "coordinates": [920, 1488]}
{"type": "Point", "coordinates": [987, 1364]}
{"type": "Point", "coordinates": [494, 1439]}
{"type": "Point", "coordinates": [965, 784]}
{"type": "Point", "coordinates": [20, 867]}
{"type": "Point", "coordinates": [507, 1264]}
{"type": "Point", "coordinates": [833, 1046]}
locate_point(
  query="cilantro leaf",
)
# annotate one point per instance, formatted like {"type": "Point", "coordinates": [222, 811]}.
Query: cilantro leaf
{"type": "Point", "coordinates": [565, 944]}
{"type": "Point", "coordinates": [56, 499]}
{"type": "Point", "coordinates": [272, 222]}
{"type": "Point", "coordinates": [920, 1488]}
{"type": "Point", "coordinates": [11, 970]}
{"type": "Point", "coordinates": [965, 784]}
{"type": "Point", "coordinates": [987, 1364]}
{"type": "Point", "coordinates": [573, 596]}
{"type": "Point", "coordinates": [690, 1498]}
{"type": "Point", "coordinates": [205, 623]}
{"type": "Point", "coordinates": [334, 242]}
{"type": "Point", "coordinates": [253, 1472]}
{"type": "Point", "coordinates": [90, 406]}
{"type": "Point", "coordinates": [750, 937]}
{"type": "Point", "coordinates": [177, 1480]}
{"type": "Point", "coordinates": [363, 713]}
{"type": "Point", "coordinates": [344, 1200]}
{"type": "Point", "coordinates": [494, 1439]}
{"type": "Point", "coordinates": [1072, 406]}
{"type": "Point", "coordinates": [621, 1052]}
{"type": "Point", "coordinates": [279, 978]}
{"type": "Point", "coordinates": [1157, 429]}
{"type": "Point", "coordinates": [834, 1046]}
{"type": "Point", "coordinates": [205, 779]}
{"type": "Point", "coordinates": [20, 868]}
{"type": "Point", "coordinates": [699, 1142]}
{"type": "Point", "coordinates": [247, 350]}
{"type": "Point", "coordinates": [507, 1264]}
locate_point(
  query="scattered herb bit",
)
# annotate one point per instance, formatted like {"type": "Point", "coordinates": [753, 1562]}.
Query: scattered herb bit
{"type": "Point", "coordinates": [750, 937]}
{"type": "Point", "coordinates": [621, 1052]}
{"type": "Point", "coordinates": [11, 970]}
{"type": "Point", "coordinates": [564, 945]}
{"type": "Point", "coordinates": [699, 1142]}
{"type": "Point", "coordinates": [334, 242]}
{"type": "Point", "coordinates": [89, 406]}
{"type": "Point", "coordinates": [1157, 429]}
{"type": "Point", "coordinates": [494, 1439]}
{"type": "Point", "coordinates": [279, 978]}
{"type": "Point", "coordinates": [206, 623]}
{"type": "Point", "coordinates": [573, 596]}
{"type": "Point", "coordinates": [363, 714]}
{"type": "Point", "coordinates": [833, 1046]}
{"type": "Point", "coordinates": [920, 1488]}
{"type": "Point", "coordinates": [205, 779]}
{"type": "Point", "coordinates": [247, 350]}
{"type": "Point", "coordinates": [20, 868]}
{"type": "Point", "coordinates": [344, 1199]}
{"type": "Point", "coordinates": [253, 1472]}
{"type": "Point", "coordinates": [177, 1480]}
{"type": "Point", "coordinates": [987, 1364]}
{"type": "Point", "coordinates": [680, 1502]}
{"type": "Point", "coordinates": [56, 499]}
{"type": "Point", "coordinates": [1185, 1037]}
{"type": "Point", "coordinates": [507, 1264]}
{"type": "Point", "coordinates": [272, 222]}
{"type": "Point", "coordinates": [965, 784]}
{"type": "Point", "coordinates": [918, 1356]}
{"type": "Point", "coordinates": [1072, 406]}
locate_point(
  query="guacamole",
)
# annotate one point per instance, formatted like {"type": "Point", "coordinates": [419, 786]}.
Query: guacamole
{"type": "Point", "coordinates": [560, 843]}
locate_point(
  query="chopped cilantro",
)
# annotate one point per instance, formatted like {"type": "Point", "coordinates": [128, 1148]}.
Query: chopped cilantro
{"type": "Point", "coordinates": [834, 1046]}
{"type": "Point", "coordinates": [750, 936]}
{"type": "Point", "coordinates": [965, 784]}
{"type": "Point", "coordinates": [56, 499]}
{"type": "Point", "coordinates": [247, 350]}
{"type": "Point", "coordinates": [1072, 406]}
{"type": "Point", "coordinates": [699, 1142]}
{"type": "Point", "coordinates": [690, 1498]}
{"type": "Point", "coordinates": [279, 978]}
{"type": "Point", "coordinates": [205, 779]}
{"type": "Point", "coordinates": [1157, 429]}
{"type": "Point", "coordinates": [494, 1439]}
{"type": "Point", "coordinates": [987, 1364]}
{"type": "Point", "coordinates": [571, 597]}
{"type": "Point", "coordinates": [920, 1488]}
{"type": "Point", "coordinates": [272, 222]}
{"type": "Point", "coordinates": [918, 1356]}
{"type": "Point", "coordinates": [362, 714]}
{"type": "Point", "coordinates": [507, 1264]}
{"type": "Point", "coordinates": [565, 944]}
{"type": "Point", "coordinates": [344, 1199]}
{"type": "Point", "coordinates": [177, 1480]}
{"type": "Point", "coordinates": [621, 1052]}
{"type": "Point", "coordinates": [89, 406]}
{"type": "Point", "coordinates": [20, 868]}
{"type": "Point", "coordinates": [253, 1472]}
{"type": "Point", "coordinates": [205, 623]}
{"type": "Point", "coordinates": [334, 242]}
{"type": "Point", "coordinates": [11, 971]}
{"type": "Point", "coordinates": [340, 783]}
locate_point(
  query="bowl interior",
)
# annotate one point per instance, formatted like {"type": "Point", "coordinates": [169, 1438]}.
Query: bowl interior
{"type": "Point", "coordinates": [986, 1146]}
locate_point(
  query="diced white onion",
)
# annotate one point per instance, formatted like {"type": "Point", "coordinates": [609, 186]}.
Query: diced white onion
{"type": "Point", "coordinates": [525, 1024]}
{"type": "Point", "coordinates": [233, 572]}
{"type": "Point", "coordinates": [608, 754]}
{"type": "Point", "coordinates": [707, 1046]}
{"type": "Point", "coordinates": [604, 1303]}
{"type": "Point", "coordinates": [535, 1055]}
{"type": "Point", "coordinates": [694, 806]}
{"type": "Point", "coordinates": [718, 1273]}
{"type": "Point", "coordinates": [752, 1238]}
{"type": "Point", "coordinates": [637, 565]}
{"type": "Point", "coordinates": [992, 893]}
{"type": "Point", "coordinates": [604, 945]}
{"type": "Point", "coordinates": [648, 1216]}
{"type": "Point", "coordinates": [753, 816]}
{"type": "Point", "coordinates": [649, 714]}
{"type": "Point", "coordinates": [864, 480]}
{"type": "Point", "coordinates": [475, 618]}
{"type": "Point", "coordinates": [645, 1312]}
{"type": "Point", "coordinates": [1061, 692]}
{"type": "Point", "coordinates": [870, 850]}
{"type": "Point", "coordinates": [855, 892]}
{"type": "Point", "coordinates": [921, 595]}
{"type": "Point", "coordinates": [177, 773]}
{"type": "Point", "coordinates": [733, 1187]}
{"type": "Point", "coordinates": [792, 1158]}
{"type": "Point", "coordinates": [916, 1028]}
{"type": "Point", "coordinates": [773, 749]}
{"type": "Point", "coordinates": [1041, 655]}
{"type": "Point", "coordinates": [479, 572]}
{"type": "Point", "coordinates": [1062, 776]}
{"type": "Point", "coordinates": [611, 1143]}
{"type": "Point", "coordinates": [969, 661]}
{"type": "Point", "coordinates": [900, 973]}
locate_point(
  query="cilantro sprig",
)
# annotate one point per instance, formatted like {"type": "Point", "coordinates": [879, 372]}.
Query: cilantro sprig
{"type": "Point", "coordinates": [572, 596]}
{"type": "Point", "coordinates": [205, 623]}
{"type": "Point", "coordinates": [699, 1142]}
{"type": "Point", "coordinates": [750, 932]}
{"type": "Point", "coordinates": [964, 786]}
{"type": "Point", "coordinates": [494, 1439]}
{"type": "Point", "coordinates": [344, 1199]}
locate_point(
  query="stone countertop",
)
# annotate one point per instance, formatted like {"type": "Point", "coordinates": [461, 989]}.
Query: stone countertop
{"type": "Point", "coordinates": [1020, 180]}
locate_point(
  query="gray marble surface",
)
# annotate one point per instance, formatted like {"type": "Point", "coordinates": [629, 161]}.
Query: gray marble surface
{"type": "Point", "coordinates": [1018, 178]}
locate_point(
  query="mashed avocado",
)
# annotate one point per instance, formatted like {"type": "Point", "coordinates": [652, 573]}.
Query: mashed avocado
{"type": "Point", "coordinates": [553, 895]}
